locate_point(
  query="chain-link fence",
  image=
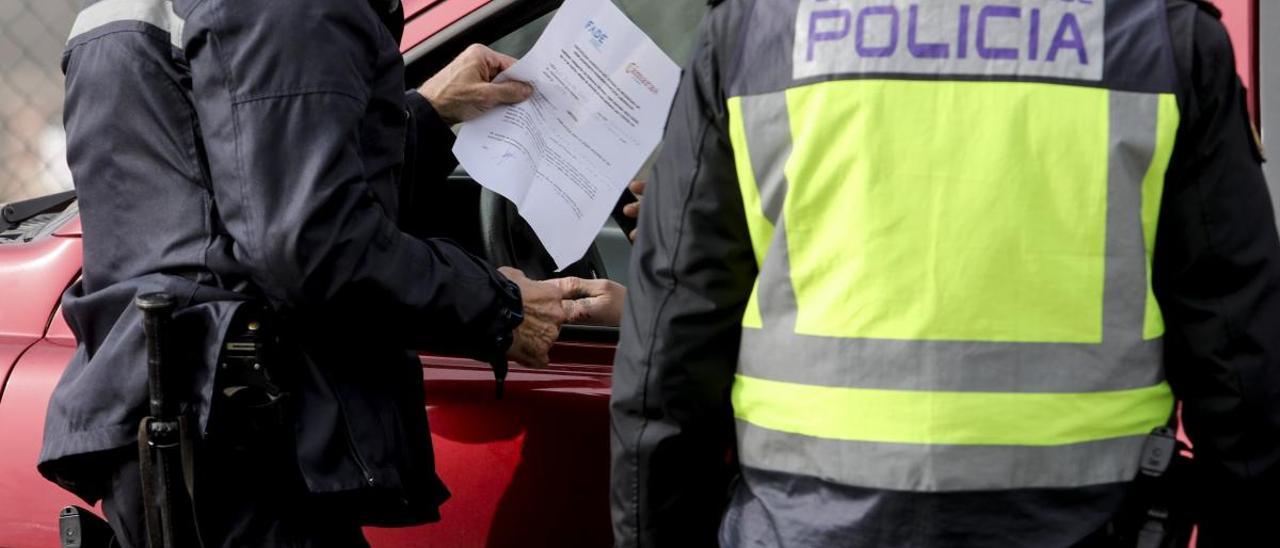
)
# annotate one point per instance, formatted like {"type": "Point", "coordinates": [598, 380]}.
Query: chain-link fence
{"type": "Point", "coordinates": [32, 142]}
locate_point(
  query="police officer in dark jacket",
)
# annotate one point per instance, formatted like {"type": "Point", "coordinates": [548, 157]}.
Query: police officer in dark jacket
{"type": "Point", "coordinates": [697, 281]}
{"type": "Point", "coordinates": [241, 154]}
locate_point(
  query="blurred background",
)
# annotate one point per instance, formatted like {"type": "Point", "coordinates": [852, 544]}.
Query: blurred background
{"type": "Point", "coordinates": [32, 143]}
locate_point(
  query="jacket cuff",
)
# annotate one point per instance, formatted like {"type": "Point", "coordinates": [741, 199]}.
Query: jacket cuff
{"type": "Point", "coordinates": [432, 130]}
{"type": "Point", "coordinates": [509, 316]}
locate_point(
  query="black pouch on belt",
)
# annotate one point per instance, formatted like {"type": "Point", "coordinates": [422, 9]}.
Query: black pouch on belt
{"type": "Point", "coordinates": [250, 406]}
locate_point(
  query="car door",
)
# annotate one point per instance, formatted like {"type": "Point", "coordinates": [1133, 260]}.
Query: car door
{"type": "Point", "coordinates": [532, 468]}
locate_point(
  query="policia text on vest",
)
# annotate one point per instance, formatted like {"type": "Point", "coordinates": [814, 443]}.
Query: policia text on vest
{"type": "Point", "coordinates": [959, 36]}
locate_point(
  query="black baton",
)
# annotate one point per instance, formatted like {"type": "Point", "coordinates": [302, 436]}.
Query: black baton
{"type": "Point", "coordinates": [165, 482]}
{"type": "Point", "coordinates": [157, 311]}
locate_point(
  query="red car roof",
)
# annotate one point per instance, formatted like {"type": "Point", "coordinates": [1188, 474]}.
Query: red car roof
{"type": "Point", "coordinates": [424, 18]}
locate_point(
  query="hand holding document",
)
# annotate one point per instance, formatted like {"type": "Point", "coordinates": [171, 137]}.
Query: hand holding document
{"type": "Point", "coordinates": [602, 92]}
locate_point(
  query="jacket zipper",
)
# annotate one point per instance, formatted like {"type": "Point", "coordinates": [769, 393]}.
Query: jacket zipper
{"type": "Point", "coordinates": [351, 441]}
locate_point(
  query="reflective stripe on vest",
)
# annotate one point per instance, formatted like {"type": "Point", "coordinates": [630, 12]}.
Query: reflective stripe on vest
{"type": "Point", "coordinates": [954, 288]}
{"type": "Point", "coordinates": [157, 13]}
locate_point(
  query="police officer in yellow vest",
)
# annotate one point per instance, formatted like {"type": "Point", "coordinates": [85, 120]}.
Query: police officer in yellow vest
{"type": "Point", "coordinates": [928, 273]}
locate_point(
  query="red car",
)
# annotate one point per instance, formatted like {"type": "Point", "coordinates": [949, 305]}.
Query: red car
{"type": "Point", "coordinates": [529, 470]}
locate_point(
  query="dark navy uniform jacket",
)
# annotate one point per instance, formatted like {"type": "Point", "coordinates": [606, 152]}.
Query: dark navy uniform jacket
{"type": "Point", "coordinates": [1216, 274]}
{"type": "Point", "coordinates": [229, 150]}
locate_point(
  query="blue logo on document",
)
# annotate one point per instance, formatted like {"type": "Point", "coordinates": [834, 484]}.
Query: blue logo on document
{"type": "Point", "coordinates": [598, 35]}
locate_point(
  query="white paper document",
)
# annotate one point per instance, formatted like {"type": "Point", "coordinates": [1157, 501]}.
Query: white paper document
{"type": "Point", "coordinates": [602, 92]}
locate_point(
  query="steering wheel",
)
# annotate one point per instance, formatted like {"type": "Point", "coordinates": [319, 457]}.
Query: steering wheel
{"type": "Point", "coordinates": [509, 241]}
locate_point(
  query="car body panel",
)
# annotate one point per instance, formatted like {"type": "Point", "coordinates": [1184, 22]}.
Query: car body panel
{"type": "Point", "coordinates": [424, 18]}
{"type": "Point", "coordinates": [70, 229]}
{"type": "Point", "coordinates": [30, 517]}
{"type": "Point", "coordinates": [34, 275]}
{"type": "Point", "coordinates": [11, 350]}
{"type": "Point", "coordinates": [59, 331]}
{"type": "Point", "coordinates": [529, 470]}
{"type": "Point", "coordinates": [32, 278]}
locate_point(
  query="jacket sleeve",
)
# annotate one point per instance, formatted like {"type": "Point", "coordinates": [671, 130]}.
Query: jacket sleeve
{"type": "Point", "coordinates": [691, 274]}
{"type": "Point", "coordinates": [282, 90]}
{"type": "Point", "coordinates": [428, 162]}
{"type": "Point", "coordinates": [1217, 277]}
{"type": "Point", "coordinates": [428, 141]}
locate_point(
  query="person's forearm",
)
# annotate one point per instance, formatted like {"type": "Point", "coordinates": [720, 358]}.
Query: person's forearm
{"type": "Point", "coordinates": [429, 141]}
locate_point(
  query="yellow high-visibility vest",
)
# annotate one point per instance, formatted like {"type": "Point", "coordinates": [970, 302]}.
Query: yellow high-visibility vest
{"type": "Point", "coordinates": [953, 208]}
